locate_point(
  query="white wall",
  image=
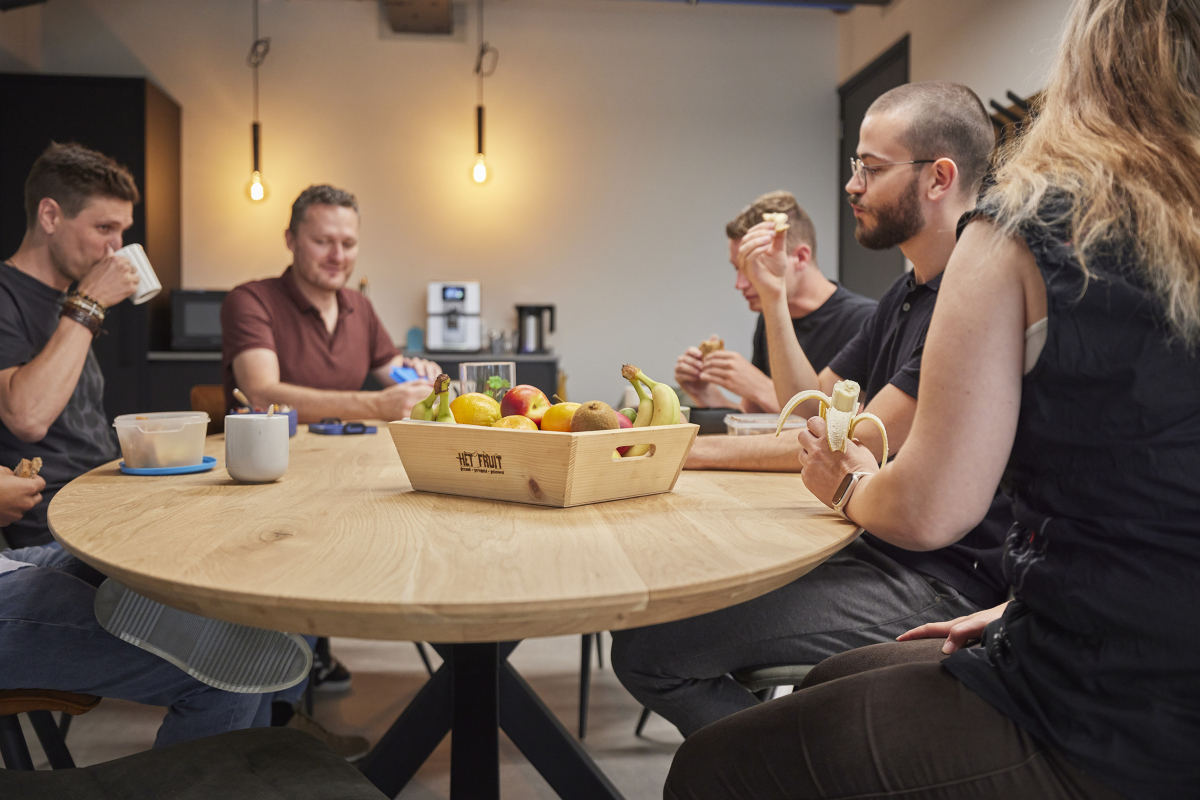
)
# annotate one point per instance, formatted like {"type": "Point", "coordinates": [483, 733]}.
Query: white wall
{"type": "Point", "coordinates": [622, 136]}
{"type": "Point", "coordinates": [990, 46]}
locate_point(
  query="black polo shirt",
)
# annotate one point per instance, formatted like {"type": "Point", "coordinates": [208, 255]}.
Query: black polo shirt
{"type": "Point", "coordinates": [822, 332]}
{"type": "Point", "coordinates": [886, 351]}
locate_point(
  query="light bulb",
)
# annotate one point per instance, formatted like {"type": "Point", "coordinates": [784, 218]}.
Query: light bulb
{"type": "Point", "coordinates": [256, 189]}
{"type": "Point", "coordinates": [479, 173]}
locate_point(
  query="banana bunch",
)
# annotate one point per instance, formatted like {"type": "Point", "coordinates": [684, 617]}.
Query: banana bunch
{"type": "Point", "coordinates": [436, 407]}
{"type": "Point", "coordinates": [660, 407]}
{"type": "Point", "coordinates": [840, 413]}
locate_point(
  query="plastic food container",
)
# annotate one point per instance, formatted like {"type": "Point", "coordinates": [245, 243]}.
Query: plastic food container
{"type": "Point", "coordinates": [753, 424]}
{"type": "Point", "coordinates": [162, 439]}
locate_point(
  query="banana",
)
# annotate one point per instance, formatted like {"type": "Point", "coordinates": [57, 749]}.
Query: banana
{"type": "Point", "coordinates": [441, 385]}
{"type": "Point", "coordinates": [840, 413]}
{"type": "Point", "coordinates": [424, 409]}
{"type": "Point", "coordinates": [666, 402]}
{"type": "Point", "coordinates": [645, 412]}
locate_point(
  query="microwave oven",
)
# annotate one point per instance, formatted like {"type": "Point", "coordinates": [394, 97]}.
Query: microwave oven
{"type": "Point", "coordinates": [196, 319]}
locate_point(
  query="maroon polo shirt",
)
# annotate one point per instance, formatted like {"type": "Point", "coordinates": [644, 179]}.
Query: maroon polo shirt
{"type": "Point", "coordinates": [273, 314]}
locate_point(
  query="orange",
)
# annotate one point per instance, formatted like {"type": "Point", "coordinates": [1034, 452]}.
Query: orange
{"type": "Point", "coordinates": [558, 417]}
{"type": "Point", "coordinates": [516, 422]}
{"type": "Point", "coordinates": [475, 409]}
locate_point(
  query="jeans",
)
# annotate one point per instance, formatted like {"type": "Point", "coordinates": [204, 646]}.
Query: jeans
{"type": "Point", "coordinates": [859, 596]}
{"type": "Point", "coordinates": [50, 639]}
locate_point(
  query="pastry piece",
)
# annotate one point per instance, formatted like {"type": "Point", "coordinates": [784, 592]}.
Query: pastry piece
{"type": "Point", "coordinates": [27, 468]}
{"type": "Point", "coordinates": [779, 218]}
{"type": "Point", "coordinates": [711, 346]}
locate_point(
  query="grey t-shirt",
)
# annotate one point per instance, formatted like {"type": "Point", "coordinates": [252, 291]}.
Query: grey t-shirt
{"type": "Point", "coordinates": [81, 438]}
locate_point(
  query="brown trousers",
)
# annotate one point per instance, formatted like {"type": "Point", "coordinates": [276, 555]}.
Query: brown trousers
{"type": "Point", "coordinates": [880, 721]}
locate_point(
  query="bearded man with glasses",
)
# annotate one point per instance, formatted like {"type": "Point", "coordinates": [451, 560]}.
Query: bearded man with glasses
{"type": "Point", "coordinates": [923, 151]}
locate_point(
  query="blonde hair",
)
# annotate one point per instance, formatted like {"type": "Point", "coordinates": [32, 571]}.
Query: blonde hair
{"type": "Point", "coordinates": [801, 230]}
{"type": "Point", "coordinates": [1117, 134]}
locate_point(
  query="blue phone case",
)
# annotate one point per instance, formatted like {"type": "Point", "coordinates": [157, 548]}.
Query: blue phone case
{"type": "Point", "coordinates": [404, 374]}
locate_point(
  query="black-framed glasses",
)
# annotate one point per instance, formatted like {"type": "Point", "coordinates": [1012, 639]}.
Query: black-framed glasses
{"type": "Point", "coordinates": [861, 170]}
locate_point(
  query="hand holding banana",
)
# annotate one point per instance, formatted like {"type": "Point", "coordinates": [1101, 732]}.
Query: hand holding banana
{"type": "Point", "coordinates": [840, 413]}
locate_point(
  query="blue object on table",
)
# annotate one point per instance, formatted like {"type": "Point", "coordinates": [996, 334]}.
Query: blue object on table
{"type": "Point", "coordinates": [404, 374]}
{"type": "Point", "coordinates": [340, 428]}
{"type": "Point", "coordinates": [204, 466]}
{"type": "Point", "coordinates": [290, 414]}
{"type": "Point", "coordinates": [414, 340]}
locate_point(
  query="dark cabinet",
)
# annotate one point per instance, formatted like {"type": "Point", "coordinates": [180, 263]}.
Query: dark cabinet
{"type": "Point", "coordinates": [136, 123]}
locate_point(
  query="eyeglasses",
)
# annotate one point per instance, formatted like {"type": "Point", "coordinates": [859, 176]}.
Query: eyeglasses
{"type": "Point", "coordinates": [860, 170]}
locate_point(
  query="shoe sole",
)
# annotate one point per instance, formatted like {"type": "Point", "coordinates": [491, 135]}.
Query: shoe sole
{"type": "Point", "coordinates": [236, 658]}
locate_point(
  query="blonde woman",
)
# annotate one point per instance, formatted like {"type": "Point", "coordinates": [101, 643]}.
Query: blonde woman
{"type": "Point", "coordinates": [1063, 356]}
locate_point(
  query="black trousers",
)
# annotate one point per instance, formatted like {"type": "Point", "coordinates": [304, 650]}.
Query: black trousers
{"type": "Point", "coordinates": [880, 721]}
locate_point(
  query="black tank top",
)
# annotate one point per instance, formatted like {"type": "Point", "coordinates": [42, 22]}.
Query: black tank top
{"type": "Point", "coordinates": [1098, 655]}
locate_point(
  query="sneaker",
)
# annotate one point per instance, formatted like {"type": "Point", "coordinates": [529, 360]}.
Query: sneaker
{"type": "Point", "coordinates": [331, 679]}
{"type": "Point", "coordinates": [349, 747]}
{"type": "Point", "coordinates": [236, 658]}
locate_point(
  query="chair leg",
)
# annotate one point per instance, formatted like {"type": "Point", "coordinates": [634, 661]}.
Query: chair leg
{"type": "Point", "coordinates": [12, 744]}
{"type": "Point", "coordinates": [642, 720]}
{"type": "Point", "coordinates": [600, 649]}
{"type": "Point", "coordinates": [64, 724]}
{"type": "Point", "coordinates": [585, 682]}
{"type": "Point", "coordinates": [52, 744]}
{"type": "Point", "coordinates": [424, 657]}
{"type": "Point", "coordinates": [309, 691]}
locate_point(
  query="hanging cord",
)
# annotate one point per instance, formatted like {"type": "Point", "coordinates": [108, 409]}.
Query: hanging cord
{"type": "Point", "coordinates": [485, 50]}
{"type": "Point", "coordinates": [257, 55]}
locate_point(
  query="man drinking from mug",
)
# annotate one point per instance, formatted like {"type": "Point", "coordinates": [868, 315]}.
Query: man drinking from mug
{"type": "Point", "coordinates": [78, 203]}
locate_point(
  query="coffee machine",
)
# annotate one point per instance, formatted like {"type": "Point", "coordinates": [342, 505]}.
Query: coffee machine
{"type": "Point", "coordinates": [530, 336]}
{"type": "Point", "coordinates": [453, 323]}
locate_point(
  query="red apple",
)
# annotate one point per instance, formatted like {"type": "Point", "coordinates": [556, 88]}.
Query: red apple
{"type": "Point", "coordinates": [625, 423]}
{"type": "Point", "coordinates": [528, 401]}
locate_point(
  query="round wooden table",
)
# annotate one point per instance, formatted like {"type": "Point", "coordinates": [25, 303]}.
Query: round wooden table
{"type": "Point", "coordinates": [341, 545]}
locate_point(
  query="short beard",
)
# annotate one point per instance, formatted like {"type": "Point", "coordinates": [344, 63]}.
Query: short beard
{"type": "Point", "coordinates": [894, 224]}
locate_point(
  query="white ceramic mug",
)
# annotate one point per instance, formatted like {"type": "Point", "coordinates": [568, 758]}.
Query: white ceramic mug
{"type": "Point", "coordinates": [256, 447]}
{"type": "Point", "coordinates": [148, 285]}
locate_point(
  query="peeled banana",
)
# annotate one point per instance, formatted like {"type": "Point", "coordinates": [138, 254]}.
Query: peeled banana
{"type": "Point", "coordinates": [840, 413]}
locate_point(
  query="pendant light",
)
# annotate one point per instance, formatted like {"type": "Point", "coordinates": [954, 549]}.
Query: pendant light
{"type": "Point", "coordinates": [479, 173]}
{"type": "Point", "coordinates": [256, 189]}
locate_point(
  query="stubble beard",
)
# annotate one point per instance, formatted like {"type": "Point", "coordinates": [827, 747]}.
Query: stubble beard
{"type": "Point", "coordinates": [894, 224]}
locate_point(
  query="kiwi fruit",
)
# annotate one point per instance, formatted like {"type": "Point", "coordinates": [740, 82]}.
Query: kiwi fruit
{"type": "Point", "coordinates": [594, 416]}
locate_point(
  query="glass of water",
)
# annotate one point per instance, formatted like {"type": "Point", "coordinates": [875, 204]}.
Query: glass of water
{"type": "Point", "coordinates": [493, 378]}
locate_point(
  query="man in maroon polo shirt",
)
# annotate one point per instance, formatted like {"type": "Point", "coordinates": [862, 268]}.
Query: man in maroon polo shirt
{"type": "Point", "coordinates": [305, 340]}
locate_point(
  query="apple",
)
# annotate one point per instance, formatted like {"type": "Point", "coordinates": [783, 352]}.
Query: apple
{"type": "Point", "coordinates": [625, 423]}
{"type": "Point", "coordinates": [525, 400]}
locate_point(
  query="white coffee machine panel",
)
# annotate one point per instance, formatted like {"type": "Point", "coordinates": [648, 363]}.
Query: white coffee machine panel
{"type": "Point", "coordinates": [461, 297]}
{"type": "Point", "coordinates": [453, 323]}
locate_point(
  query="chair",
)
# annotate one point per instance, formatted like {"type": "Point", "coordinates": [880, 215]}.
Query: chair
{"type": "Point", "coordinates": [585, 675]}
{"type": "Point", "coordinates": [210, 398]}
{"type": "Point", "coordinates": [256, 764]}
{"type": "Point", "coordinates": [39, 704]}
{"type": "Point", "coordinates": [762, 681]}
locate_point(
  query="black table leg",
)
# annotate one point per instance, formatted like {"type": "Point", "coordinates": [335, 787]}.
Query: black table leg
{"type": "Point", "coordinates": [479, 693]}
{"type": "Point", "coordinates": [549, 746]}
{"type": "Point", "coordinates": [474, 757]}
{"type": "Point", "coordinates": [413, 737]}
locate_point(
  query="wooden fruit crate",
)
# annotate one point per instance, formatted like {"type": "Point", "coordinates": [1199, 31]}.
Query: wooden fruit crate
{"type": "Point", "coordinates": [540, 467]}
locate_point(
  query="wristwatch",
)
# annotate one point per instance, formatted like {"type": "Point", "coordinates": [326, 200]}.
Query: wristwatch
{"type": "Point", "coordinates": [841, 495]}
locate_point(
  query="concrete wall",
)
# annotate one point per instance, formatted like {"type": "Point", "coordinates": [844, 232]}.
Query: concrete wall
{"type": "Point", "coordinates": [622, 136]}
{"type": "Point", "coordinates": [988, 45]}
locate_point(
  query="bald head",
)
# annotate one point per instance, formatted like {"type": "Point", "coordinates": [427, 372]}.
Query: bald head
{"type": "Point", "coordinates": [942, 120]}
